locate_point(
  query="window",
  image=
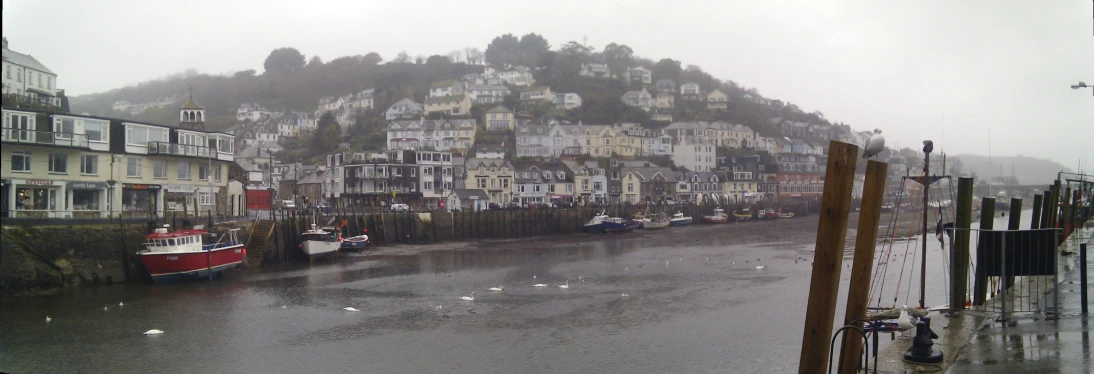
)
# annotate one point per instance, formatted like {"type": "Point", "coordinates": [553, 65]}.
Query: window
{"type": "Point", "coordinates": [58, 163]}
{"type": "Point", "coordinates": [551, 188]}
{"type": "Point", "coordinates": [569, 188]}
{"type": "Point", "coordinates": [133, 167]}
{"type": "Point", "coordinates": [203, 172]}
{"type": "Point", "coordinates": [159, 169]}
{"type": "Point", "coordinates": [537, 187]}
{"type": "Point", "coordinates": [504, 183]}
{"type": "Point", "coordinates": [95, 130]}
{"type": "Point", "coordinates": [414, 171]}
{"type": "Point", "coordinates": [20, 161]}
{"type": "Point", "coordinates": [630, 187]}
{"type": "Point", "coordinates": [141, 135]}
{"type": "Point", "coordinates": [428, 185]}
{"type": "Point", "coordinates": [20, 75]}
{"type": "Point", "coordinates": [584, 184]}
{"type": "Point", "coordinates": [64, 127]}
{"type": "Point", "coordinates": [224, 145]}
{"type": "Point", "coordinates": [89, 164]}
{"type": "Point", "coordinates": [49, 83]}
{"type": "Point", "coordinates": [482, 183]}
{"type": "Point", "coordinates": [205, 198]}
{"type": "Point", "coordinates": [216, 173]}
{"type": "Point", "coordinates": [520, 188]}
{"type": "Point", "coordinates": [184, 170]}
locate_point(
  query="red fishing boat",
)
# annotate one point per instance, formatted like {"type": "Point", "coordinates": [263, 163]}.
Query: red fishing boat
{"type": "Point", "coordinates": [172, 256]}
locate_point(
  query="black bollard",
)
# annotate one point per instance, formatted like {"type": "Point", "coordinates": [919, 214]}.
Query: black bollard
{"type": "Point", "coordinates": [922, 350]}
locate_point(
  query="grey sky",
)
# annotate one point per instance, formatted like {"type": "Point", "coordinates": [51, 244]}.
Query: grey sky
{"type": "Point", "coordinates": [915, 69]}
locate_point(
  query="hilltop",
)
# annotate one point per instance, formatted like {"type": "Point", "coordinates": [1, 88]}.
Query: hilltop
{"type": "Point", "coordinates": [290, 84]}
{"type": "Point", "coordinates": [1027, 170]}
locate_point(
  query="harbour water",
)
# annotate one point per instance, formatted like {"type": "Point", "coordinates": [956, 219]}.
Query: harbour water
{"type": "Point", "coordinates": [683, 313]}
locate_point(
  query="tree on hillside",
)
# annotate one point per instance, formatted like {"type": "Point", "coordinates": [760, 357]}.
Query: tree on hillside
{"type": "Point", "coordinates": [455, 55]}
{"type": "Point", "coordinates": [327, 133]}
{"type": "Point", "coordinates": [402, 58]}
{"type": "Point", "coordinates": [577, 50]}
{"type": "Point", "coordinates": [372, 58]}
{"type": "Point", "coordinates": [532, 48]}
{"type": "Point", "coordinates": [667, 68]}
{"type": "Point", "coordinates": [503, 50]}
{"type": "Point", "coordinates": [315, 61]}
{"type": "Point", "coordinates": [284, 60]}
{"type": "Point", "coordinates": [437, 61]}
{"type": "Point", "coordinates": [472, 55]}
{"type": "Point", "coordinates": [618, 56]}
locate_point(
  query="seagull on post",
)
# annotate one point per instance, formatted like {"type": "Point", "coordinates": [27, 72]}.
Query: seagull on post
{"type": "Point", "coordinates": [875, 145]}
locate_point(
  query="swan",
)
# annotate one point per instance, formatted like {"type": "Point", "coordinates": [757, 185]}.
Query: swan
{"type": "Point", "coordinates": [468, 298]}
{"type": "Point", "coordinates": [761, 267]}
{"type": "Point", "coordinates": [625, 295]}
{"type": "Point", "coordinates": [498, 288]}
{"type": "Point", "coordinates": [350, 309]}
{"type": "Point", "coordinates": [539, 285]}
{"type": "Point", "coordinates": [153, 332]}
{"type": "Point", "coordinates": [105, 308]}
{"type": "Point", "coordinates": [48, 319]}
{"type": "Point", "coordinates": [283, 307]}
{"type": "Point", "coordinates": [121, 303]}
{"type": "Point", "coordinates": [567, 285]}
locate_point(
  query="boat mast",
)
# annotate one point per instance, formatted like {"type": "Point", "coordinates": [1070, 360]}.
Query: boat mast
{"type": "Point", "coordinates": [923, 263]}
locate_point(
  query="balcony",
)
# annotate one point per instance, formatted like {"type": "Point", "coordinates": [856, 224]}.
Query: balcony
{"type": "Point", "coordinates": [173, 149]}
{"type": "Point", "coordinates": [32, 102]}
{"type": "Point", "coordinates": [14, 135]}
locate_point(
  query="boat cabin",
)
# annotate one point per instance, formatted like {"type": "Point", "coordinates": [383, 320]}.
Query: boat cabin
{"type": "Point", "coordinates": [179, 241]}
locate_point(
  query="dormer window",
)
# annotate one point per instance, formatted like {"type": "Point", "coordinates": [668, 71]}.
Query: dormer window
{"type": "Point", "coordinates": [547, 175]}
{"type": "Point", "coordinates": [561, 175]}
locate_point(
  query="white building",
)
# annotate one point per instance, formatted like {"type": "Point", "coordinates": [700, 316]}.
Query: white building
{"type": "Point", "coordinates": [532, 140]}
{"type": "Point", "coordinates": [248, 112]}
{"type": "Point", "coordinates": [693, 153]}
{"type": "Point", "coordinates": [431, 135]}
{"type": "Point", "coordinates": [567, 101]}
{"type": "Point", "coordinates": [595, 70]}
{"type": "Point", "coordinates": [435, 176]}
{"type": "Point", "coordinates": [640, 99]}
{"type": "Point", "coordinates": [517, 76]}
{"type": "Point", "coordinates": [639, 75]}
{"type": "Point", "coordinates": [360, 100]}
{"type": "Point", "coordinates": [448, 87]}
{"type": "Point", "coordinates": [26, 77]}
{"type": "Point", "coordinates": [487, 93]}
{"type": "Point", "coordinates": [404, 108]}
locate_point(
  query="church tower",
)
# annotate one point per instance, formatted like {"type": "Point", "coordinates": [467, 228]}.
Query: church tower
{"type": "Point", "coordinates": [192, 115]}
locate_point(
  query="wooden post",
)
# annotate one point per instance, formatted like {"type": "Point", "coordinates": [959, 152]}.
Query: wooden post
{"type": "Point", "coordinates": [1035, 219]}
{"type": "Point", "coordinates": [987, 222]}
{"type": "Point", "coordinates": [960, 254]}
{"type": "Point", "coordinates": [831, 235]}
{"type": "Point", "coordinates": [1065, 210]}
{"type": "Point", "coordinates": [1015, 218]}
{"type": "Point", "coordinates": [858, 296]}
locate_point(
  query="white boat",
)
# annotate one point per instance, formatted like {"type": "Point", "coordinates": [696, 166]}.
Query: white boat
{"type": "Point", "coordinates": [318, 243]}
{"type": "Point", "coordinates": [655, 221]}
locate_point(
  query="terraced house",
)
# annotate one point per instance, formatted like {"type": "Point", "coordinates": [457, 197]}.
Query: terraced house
{"type": "Point", "coordinates": [431, 135]}
{"type": "Point", "coordinates": [73, 166]}
{"type": "Point", "coordinates": [453, 105]}
{"type": "Point", "coordinates": [494, 175]}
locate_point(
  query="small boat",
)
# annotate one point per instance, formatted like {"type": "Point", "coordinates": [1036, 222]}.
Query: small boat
{"type": "Point", "coordinates": [641, 219]}
{"type": "Point", "coordinates": [627, 226]}
{"type": "Point", "coordinates": [770, 213]}
{"type": "Point", "coordinates": [719, 216]}
{"type": "Point", "coordinates": [679, 219]}
{"type": "Point", "coordinates": [356, 243]}
{"type": "Point", "coordinates": [597, 223]}
{"type": "Point", "coordinates": [656, 221]}
{"type": "Point", "coordinates": [786, 215]}
{"type": "Point", "coordinates": [745, 216]}
{"type": "Point", "coordinates": [317, 243]}
{"type": "Point", "coordinates": [172, 256]}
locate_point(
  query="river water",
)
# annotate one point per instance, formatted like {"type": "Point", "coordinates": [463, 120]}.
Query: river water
{"type": "Point", "coordinates": [691, 315]}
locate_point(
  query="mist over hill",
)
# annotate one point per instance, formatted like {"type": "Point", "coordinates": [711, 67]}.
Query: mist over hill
{"type": "Point", "coordinates": [1027, 169]}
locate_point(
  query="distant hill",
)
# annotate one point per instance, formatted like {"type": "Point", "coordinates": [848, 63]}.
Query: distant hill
{"type": "Point", "coordinates": [1028, 170]}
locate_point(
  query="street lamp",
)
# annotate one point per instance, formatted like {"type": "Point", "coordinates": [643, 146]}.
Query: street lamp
{"type": "Point", "coordinates": [1081, 84]}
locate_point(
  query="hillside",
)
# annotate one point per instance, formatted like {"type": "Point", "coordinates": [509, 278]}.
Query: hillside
{"type": "Point", "coordinates": [289, 84]}
{"type": "Point", "coordinates": [1028, 170]}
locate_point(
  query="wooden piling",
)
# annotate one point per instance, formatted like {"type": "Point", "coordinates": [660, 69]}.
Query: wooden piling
{"type": "Point", "coordinates": [1015, 219]}
{"type": "Point", "coordinates": [831, 235]}
{"type": "Point", "coordinates": [1065, 210]}
{"type": "Point", "coordinates": [959, 282]}
{"type": "Point", "coordinates": [987, 222]}
{"type": "Point", "coordinates": [861, 270]}
{"type": "Point", "coordinates": [1035, 218]}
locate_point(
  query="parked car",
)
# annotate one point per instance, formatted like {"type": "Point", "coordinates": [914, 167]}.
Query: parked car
{"type": "Point", "coordinates": [288, 205]}
{"type": "Point", "coordinates": [400, 208]}
{"type": "Point", "coordinates": [324, 208]}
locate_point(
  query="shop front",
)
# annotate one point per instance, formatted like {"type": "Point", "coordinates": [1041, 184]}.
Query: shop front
{"type": "Point", "coordinates": [86, 199]}
{"type": "Point", "coordinates": [140, 199]}
{"type": "Point", "coordinates": [36, 198]}
{"type": "Point", "coordinates": [179, 197]}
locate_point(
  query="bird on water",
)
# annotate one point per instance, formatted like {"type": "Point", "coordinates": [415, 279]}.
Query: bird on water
{"type": "Point", "coordinates": [875, 145]}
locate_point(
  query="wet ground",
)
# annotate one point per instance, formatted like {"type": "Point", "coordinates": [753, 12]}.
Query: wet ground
{"type": "Point", "coordinates": [682, 300]}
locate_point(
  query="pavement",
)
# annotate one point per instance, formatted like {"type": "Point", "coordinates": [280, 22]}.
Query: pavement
{"type": "Point", "coordinates": [974, 342]}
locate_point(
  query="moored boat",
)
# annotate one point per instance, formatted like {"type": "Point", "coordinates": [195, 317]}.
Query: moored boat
{"type": "Point", "coordinates": [172, 256]}
{"type": "Point", "coordinates": [356, 243]}
{"type": "Point", "coordinates": [596, 224]}
{"type": "Point", "coordinates": [771, 214]}
{"type": "Point", "coordinates": [627, 226]}
{"type": "Point", "coordinates": [742, 216]}
{"type": "Point", "coordinates": [786, 215]}
{"type": "Point", "coordinates": [656, 221]}
{"type": "Point", "coordinates": [679, 219]}
{"type": "Point", "coordinates": [317, 243]}
{"type": "Point", "coordinates": [719, 216]}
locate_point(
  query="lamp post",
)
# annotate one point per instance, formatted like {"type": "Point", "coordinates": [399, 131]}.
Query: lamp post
{"type": "Point", "coordinates": [1079, 85]}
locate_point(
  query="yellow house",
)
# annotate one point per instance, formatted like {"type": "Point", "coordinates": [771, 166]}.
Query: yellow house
{"type": "Point", "coordinates": [455, 105]}
{"type": "Point", "coordinates": [596, 140]}
{"type": "Point", "coordinates": [717, 100]}
{"type": "Point", "coordinates": [632, 187]}
{"type": "Point", "coordinates": [493, 175]}
{"type": "Point", "coordinates": [499, 118]}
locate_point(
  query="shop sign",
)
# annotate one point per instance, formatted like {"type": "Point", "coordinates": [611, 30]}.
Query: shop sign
{"type": "Point", "coordinates": [181, 188]}
{"type": "Point", "coordinates": [39, 182]}
{"type": "Point", "coordinates": [137, 186]}
{"type": "Point", "coordinates": [86, 185]}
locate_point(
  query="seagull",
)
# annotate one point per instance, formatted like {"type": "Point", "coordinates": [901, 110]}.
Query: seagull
{"type": "Point", "coordinates": [708, 258]}
{"type": "Point", "coordinates": [105, 308]}
{"type": "Point", "coordinates": [283, 307]}
{"type": "Point", "coordinates": [539, 285]}
{"type": "Point", "coordinates": [350, 309]}
{"type": "Point", "coordinates": [468, 298]}
{"type": "Point", "coordinates": [471, 310]}
{"type": "Point", "coordinates": [875, 145]}
{"type": "Point", "coordinates": [905, 321]}
{"type": "Point", "coordinates": [761, 267]}
{"type": "Point", "coordinates": [153, 332]}
{"type": "Point", "coordinates": [625, 295]}
{"type": "Point", "coordinates": [567, 285]}
{"type": "Point", "coordinates": [121, 303]}
{"type": "Point", "coordinates": [440, 306]}
{"type": "Point", "coordinates": [48, 319]}
{"type": "Point", "coordinates": [666, 263]}
{"type": "Point", "coordinates": [580, 279]}
{"type": "Point", "coordinates": [498, 288]}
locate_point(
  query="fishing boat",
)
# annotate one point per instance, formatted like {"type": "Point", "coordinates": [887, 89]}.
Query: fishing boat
{"type": "Point", "coordinates": [679, 219]}
{"type": "Point", "coordinates": [356, 243]}
{"type": "Point", "coordinates": [786, 215]}
{"type": "Point", "coordinates": [626, 226]}
{"type": "Point", "coordinates": [597, 224]}
{"type": "Point", "coordinates": [656, 221]}
{"type": "Point", "coordinates": [172, 256]}
{"type": "Point", "coordinates": [719, 216]}
{"type": "Point", "coordinates": [743, 216]}
{"type": "Point", "coordinates": [317, 243]}
{"type": "Point", "coordinates": [640, 218]}
{"type": "Point", "coordinates": [771, 213]}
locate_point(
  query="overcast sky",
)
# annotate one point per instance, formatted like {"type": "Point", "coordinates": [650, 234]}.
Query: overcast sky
{"type": "Point", "coordinates": [942, 70]}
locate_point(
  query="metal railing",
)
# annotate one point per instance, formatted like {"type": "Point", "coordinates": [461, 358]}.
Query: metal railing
{"type": "Point", "coordinates": [175, 149]}
{"type": "Point", "coordinates": [9, 134]}
{"type": "Point", "coordinates": [1019, 270]}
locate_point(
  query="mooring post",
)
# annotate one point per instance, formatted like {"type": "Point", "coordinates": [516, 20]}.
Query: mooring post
{"type": "Point", "coordinates": [831, 236]}
{"type": "Point", "coordinates": [1012, 225]}
{"type": "Point", "coordinates": [1082, 277]}
{"type": "Point", "coordinates": [960, 254]}
{"type": "Point", "coordinates": [987, 222]}
{"type": "Point", "coordinates": [1035, 218]}
{"type": "Point", "coordinates": [858, 296]}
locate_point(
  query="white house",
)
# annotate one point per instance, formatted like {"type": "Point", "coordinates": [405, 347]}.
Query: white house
{"type": "Point", "coordinates": [693, 153]}
{"type": "Point", "coordinates": [404, 108]}
{"type": "Point", "coordinates": [517, 76]}
{"type": "Point", "coordinates": [327, 104]}
{"type": "Point", "coordinates": [639, 75]}
{"type": "Point", "coordinates": [431, 135]}
{"type": "Point", "coordinates": [360, 100]}
{"type": "Point", "coordinates": [640, 99]}
{"type": "Point", "coordinates": [25, 76]}
{"type": "Point", "coordinates": [532, 140]}
{"type": "Point", "coordinates": [249, 112]}
{"type": "Point", "coordinates": [690, 88]}
{"type": "Point", "coordinates": [595, 70]}
{"type": "Point", "coordinates": [487, 93]}
{"type": "Point", "coordinates": [447, 87]}
{"type": "Point", "coordinates": [567, 101]}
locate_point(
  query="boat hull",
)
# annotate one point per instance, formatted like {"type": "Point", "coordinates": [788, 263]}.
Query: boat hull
{"type": "Point", "coordinates": [715, 219]}
{"type": "Point", "coordinates": [354, 244]}
{"type": "Point", "coordinates": [165, 267]}
{"type": "Point", "coordinates": [742, 217]}
{"type": "Point", "coordinates": [653, 225]}
{"type": "Point", "coordinates": [317, 250]}
{"type": "Point", "coordinates": [619, 230]}
{"type": "Point", "coordinates": [680, 222]}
